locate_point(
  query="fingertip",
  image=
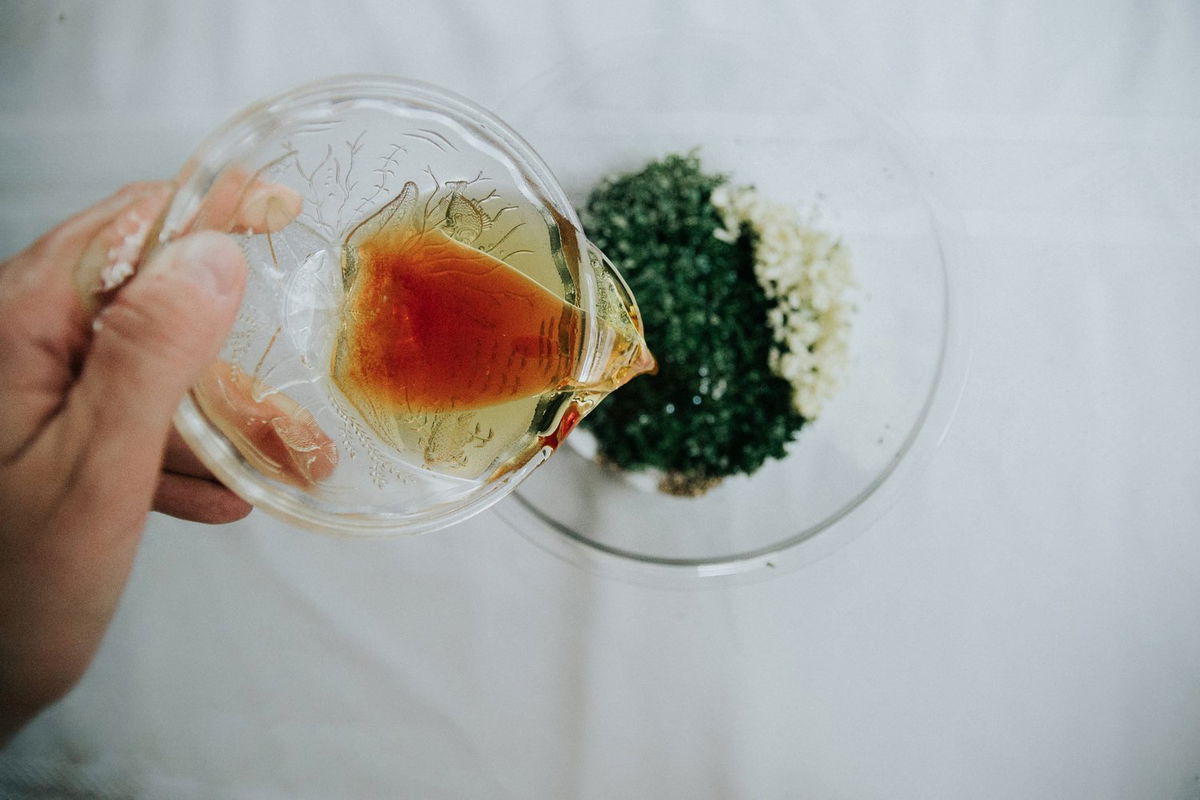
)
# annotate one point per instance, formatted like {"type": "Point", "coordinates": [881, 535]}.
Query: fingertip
{"type": "Point", "coordinates": [269, 207]}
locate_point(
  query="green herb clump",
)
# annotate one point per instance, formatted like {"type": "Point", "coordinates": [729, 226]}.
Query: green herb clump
{"type": "Point", "coordinates": [714, 408]}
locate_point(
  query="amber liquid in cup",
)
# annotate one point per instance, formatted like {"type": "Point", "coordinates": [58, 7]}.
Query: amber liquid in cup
{"type": "Point", "coordinates": [448, 351]}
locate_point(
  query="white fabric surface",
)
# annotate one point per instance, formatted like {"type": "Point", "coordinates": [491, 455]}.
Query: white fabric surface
{"type": "Point", "coordinates": [1025, 623]}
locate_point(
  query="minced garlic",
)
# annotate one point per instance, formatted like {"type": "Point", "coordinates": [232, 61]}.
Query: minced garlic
{"type": "Point", "coordinates": [808, 275]}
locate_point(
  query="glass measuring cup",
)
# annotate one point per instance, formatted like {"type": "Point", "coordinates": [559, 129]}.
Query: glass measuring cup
{"type": "Point", "coordinates": [424, 319]}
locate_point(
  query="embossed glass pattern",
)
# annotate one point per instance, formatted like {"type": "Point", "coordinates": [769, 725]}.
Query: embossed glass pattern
{"type": "Point", "coordinates": [424, 319]}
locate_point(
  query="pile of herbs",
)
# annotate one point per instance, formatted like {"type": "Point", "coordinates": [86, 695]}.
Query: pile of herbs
{"type": "Point", "coordinates": [714, 408]}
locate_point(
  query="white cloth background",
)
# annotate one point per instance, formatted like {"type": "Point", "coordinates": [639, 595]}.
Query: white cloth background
{"type": "Point", "coordinates": [1025, 623]}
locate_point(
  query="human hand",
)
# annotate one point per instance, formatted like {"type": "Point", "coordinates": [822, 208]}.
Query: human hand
{"type": "Point", "coordinates": [92, 367]}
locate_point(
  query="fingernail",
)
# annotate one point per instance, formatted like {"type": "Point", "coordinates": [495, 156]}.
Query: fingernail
{"type": "Point", "coordinates": [210, 261]}
{"type": "Point", "coordinates": [269, 207]}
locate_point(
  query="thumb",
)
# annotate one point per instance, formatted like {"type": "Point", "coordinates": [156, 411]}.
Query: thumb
{"type": "Point", "coordinates": [153, 340]}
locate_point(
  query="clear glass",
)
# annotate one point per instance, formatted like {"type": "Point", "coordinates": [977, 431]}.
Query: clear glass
{"type": "Point", "coordinates": [394, 229]}
{"type": "Point", "coordinates": [759, 112]}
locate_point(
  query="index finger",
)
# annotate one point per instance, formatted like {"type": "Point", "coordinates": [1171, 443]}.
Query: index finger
{"type": "Point", "coordinates": [236, 203]}
{"type": "Point", "coordinates": [240, 201]}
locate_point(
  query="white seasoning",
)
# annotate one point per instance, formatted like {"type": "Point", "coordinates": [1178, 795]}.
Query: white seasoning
{"type": "Point", "coordinates": [808, 275]}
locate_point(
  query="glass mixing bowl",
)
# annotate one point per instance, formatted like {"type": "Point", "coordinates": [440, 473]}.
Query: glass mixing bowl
{"type": "Point", "coordinates": [762, 114]}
